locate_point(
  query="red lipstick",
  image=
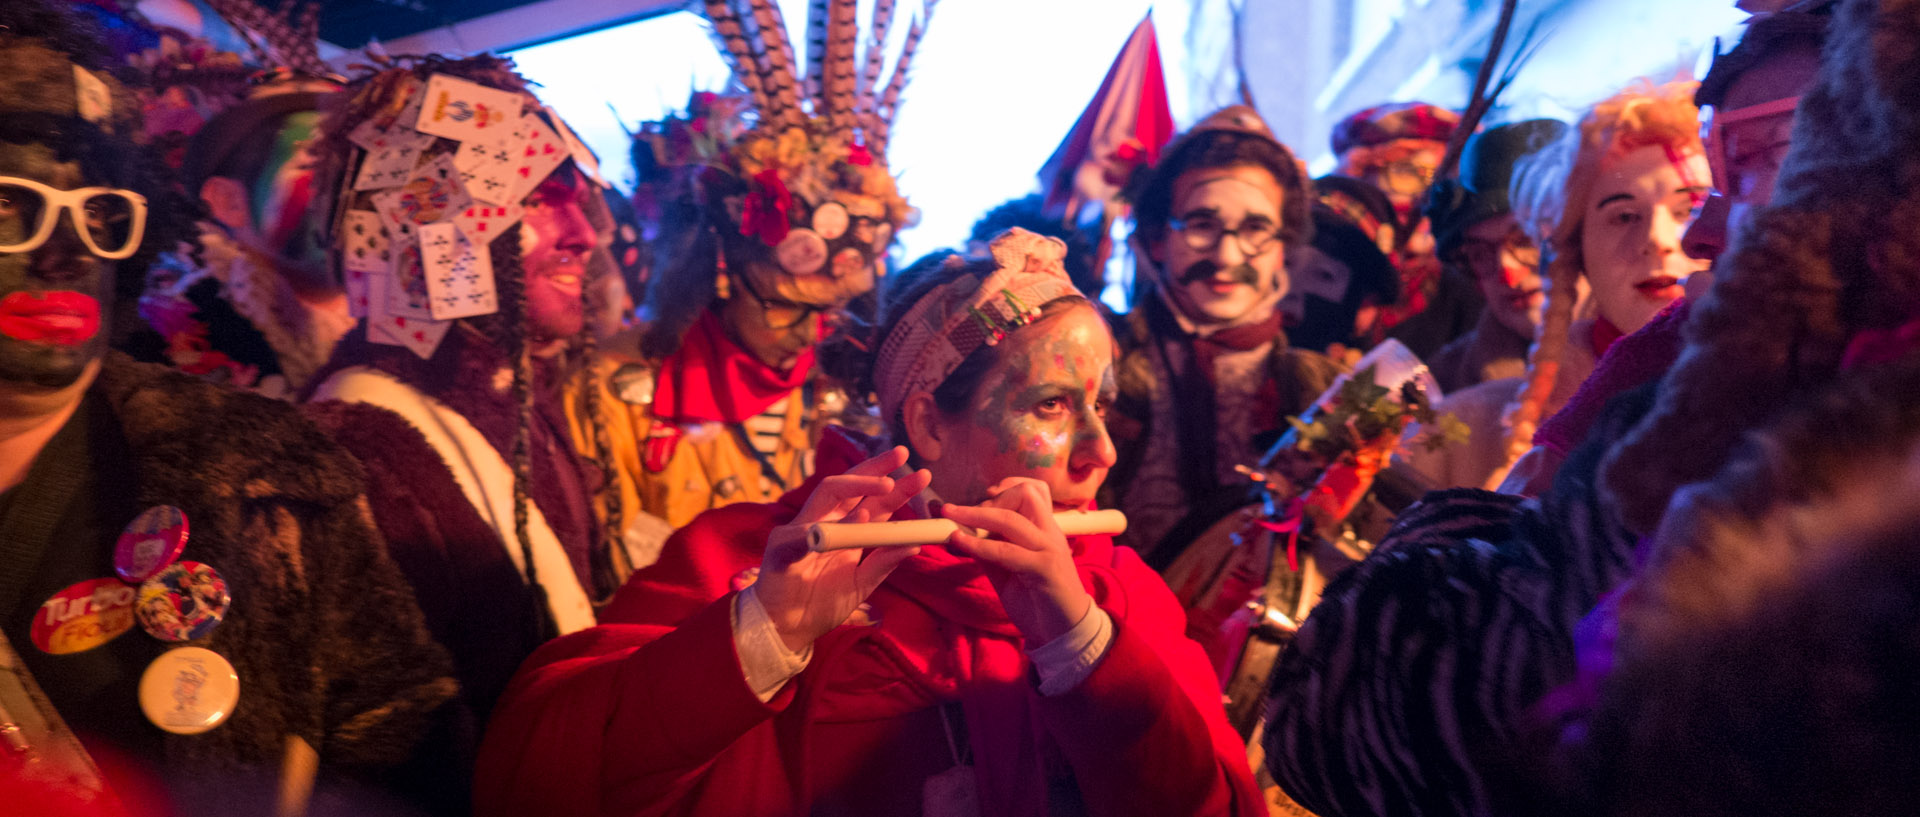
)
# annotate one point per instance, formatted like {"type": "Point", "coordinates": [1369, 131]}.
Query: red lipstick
{"type": "Point", "coordinates": [59, 317]}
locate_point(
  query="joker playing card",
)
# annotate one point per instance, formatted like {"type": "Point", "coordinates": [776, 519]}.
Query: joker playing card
{"type": "Point", "coordinates": [462, 110]}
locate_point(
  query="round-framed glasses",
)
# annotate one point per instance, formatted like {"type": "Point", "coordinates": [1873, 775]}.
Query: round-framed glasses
{"type": "Point", "coordinates": [777, 313]}
{"type": "Point", "coordinates": [1204, 234]}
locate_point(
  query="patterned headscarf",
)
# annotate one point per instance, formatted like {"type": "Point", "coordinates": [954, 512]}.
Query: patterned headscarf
{"type": "Point", "coordinates": [951, 322]}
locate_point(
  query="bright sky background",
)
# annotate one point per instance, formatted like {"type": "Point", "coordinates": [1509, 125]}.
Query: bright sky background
{"type": "Point", "coordinates": [995, 86]}
{"type": "Point", "coordinates": [997, 83]}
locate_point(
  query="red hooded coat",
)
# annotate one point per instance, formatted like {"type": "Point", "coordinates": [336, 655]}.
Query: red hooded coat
{"type": "Point", "coordinates": [649, 713]}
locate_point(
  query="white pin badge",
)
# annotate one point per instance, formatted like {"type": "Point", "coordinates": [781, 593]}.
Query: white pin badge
{"type": "Point", "coordinates": [189, 690]}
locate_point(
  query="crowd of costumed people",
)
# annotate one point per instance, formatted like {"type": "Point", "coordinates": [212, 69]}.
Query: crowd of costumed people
{"type": "Point", "coordinates": [366, 448]}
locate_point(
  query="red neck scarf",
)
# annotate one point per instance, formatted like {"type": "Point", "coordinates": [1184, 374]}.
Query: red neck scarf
{"type": "Point", "coordinates": [711, 379]}
{"type": "Point", "coordinates": [1603, 335]}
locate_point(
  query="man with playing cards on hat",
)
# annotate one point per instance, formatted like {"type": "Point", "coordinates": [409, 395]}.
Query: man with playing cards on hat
{"type": "Point", "coordinates": [767, 234]}
{"type": "Point", "coordinates": [468, 229]}
{"type": "Point", "coordinates": [314, 632]}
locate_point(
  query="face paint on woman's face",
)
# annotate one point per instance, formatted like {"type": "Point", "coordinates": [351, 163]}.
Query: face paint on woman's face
{"type": "Point", "coordinates": [1642, 201]}
{"type": "Point", "coordinates": [52, 300]}
{"type": "Point", "coordinates": [1038, 413]}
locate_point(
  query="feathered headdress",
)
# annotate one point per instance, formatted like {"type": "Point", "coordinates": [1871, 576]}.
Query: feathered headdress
{"type": "Point", "coordinates": [795, 156]}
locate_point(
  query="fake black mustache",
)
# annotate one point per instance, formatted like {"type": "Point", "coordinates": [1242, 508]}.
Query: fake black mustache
{"type": "Point", "coordinates": [1207, 271]}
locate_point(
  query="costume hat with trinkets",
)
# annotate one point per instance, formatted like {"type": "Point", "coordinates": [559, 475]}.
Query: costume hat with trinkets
{"type": "Point", "coordinates": [787, 173]}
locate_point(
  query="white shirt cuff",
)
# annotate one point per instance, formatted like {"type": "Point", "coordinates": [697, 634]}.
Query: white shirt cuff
{"type": "Point", "coordinates": [764, 658]}
{"type": "Point", "coordinates": [1067, 660]}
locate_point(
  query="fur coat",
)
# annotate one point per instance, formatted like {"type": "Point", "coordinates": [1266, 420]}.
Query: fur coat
{"type": "Point", "coordinates": [323, 631]}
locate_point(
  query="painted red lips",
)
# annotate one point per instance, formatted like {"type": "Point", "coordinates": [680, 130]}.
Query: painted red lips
{"type": "Point", "coordinates": [59, 317]}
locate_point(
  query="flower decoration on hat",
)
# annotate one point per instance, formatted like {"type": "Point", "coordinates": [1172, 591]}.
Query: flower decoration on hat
{"type": "Point", "coordinates": [794, 156]}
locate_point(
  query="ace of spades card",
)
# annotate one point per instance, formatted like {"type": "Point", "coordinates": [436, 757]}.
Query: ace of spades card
{"type": "Point", "coordinates": [459, 274]}
{"type": "Point", "coordinates": [482, 223]}
{"type": "Point", "coordinates": [462, 110]}
{"type": "Point", "coordinates": [366, 242]}
{"type": "Point", "coordinates": [538, 154]}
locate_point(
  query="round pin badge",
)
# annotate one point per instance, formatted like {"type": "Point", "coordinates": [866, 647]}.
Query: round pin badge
{"type": "Point", "coordinates": [848, 262]}
{"type": "Point", "coordinates": [802, 252]}
{"type": "Point", "coordinates": [186, 601]}
{"type": "Point", "coordinates": [830, 220]}
{"type": "Point", "coordinates": [83, 616]}
{"type": "Point", "coordinates": [151, 542]}
{"type": "Point", "coordinates": [189, 690]}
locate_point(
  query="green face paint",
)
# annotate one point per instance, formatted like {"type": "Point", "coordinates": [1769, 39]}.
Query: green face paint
{"type": "Point", "coordinates": [1038, 413]}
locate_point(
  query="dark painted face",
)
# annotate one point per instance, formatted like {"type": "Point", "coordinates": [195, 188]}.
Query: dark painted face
{"type": "Point", "coordinates": [53, 299]}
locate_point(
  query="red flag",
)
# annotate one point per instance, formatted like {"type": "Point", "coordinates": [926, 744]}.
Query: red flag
{"type": "Point", "coordinates": [1124, 127]}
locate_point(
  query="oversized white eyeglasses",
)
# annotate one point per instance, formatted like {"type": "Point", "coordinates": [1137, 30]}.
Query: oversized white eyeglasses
{"type": "Point", "coordinates": [110, 222]}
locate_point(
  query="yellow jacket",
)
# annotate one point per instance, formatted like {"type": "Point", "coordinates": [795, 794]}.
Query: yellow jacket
{"type": "Point", "coordinates": [709, 467]}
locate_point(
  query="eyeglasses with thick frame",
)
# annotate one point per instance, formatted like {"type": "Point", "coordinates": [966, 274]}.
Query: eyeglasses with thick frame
{"type": "Point", "coordinates": [76, 202]}
{"type": "Point", "coordinates": [776, 313]}
{"type": "Point", "coordinates": [1203, 233]}
{"type": "Point", "coordinates": [1715, 135]}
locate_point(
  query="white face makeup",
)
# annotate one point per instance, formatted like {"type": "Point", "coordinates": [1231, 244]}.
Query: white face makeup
{"type": "Point", "coordinates": [1223, 283]}
{"type": "Point", "coordinates": [1641, 202]}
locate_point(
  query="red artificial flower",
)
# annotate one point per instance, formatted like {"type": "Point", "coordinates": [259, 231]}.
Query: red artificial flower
{"type": "Point", "coordinates": [765, 215]}
{"type": "Point", "coordinates": [858, 155]}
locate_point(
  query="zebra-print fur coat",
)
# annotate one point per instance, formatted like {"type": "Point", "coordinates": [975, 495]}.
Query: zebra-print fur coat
{"type": "Point", "coordinates": [1404, 690]}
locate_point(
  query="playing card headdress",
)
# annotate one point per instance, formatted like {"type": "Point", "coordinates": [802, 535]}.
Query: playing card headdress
{"type": "Point", "coordinates": [955, 319]}
{"type": "Point", "coordinates": [796, 159]}
{"type": "Point", "coordinates": [432, 161]}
